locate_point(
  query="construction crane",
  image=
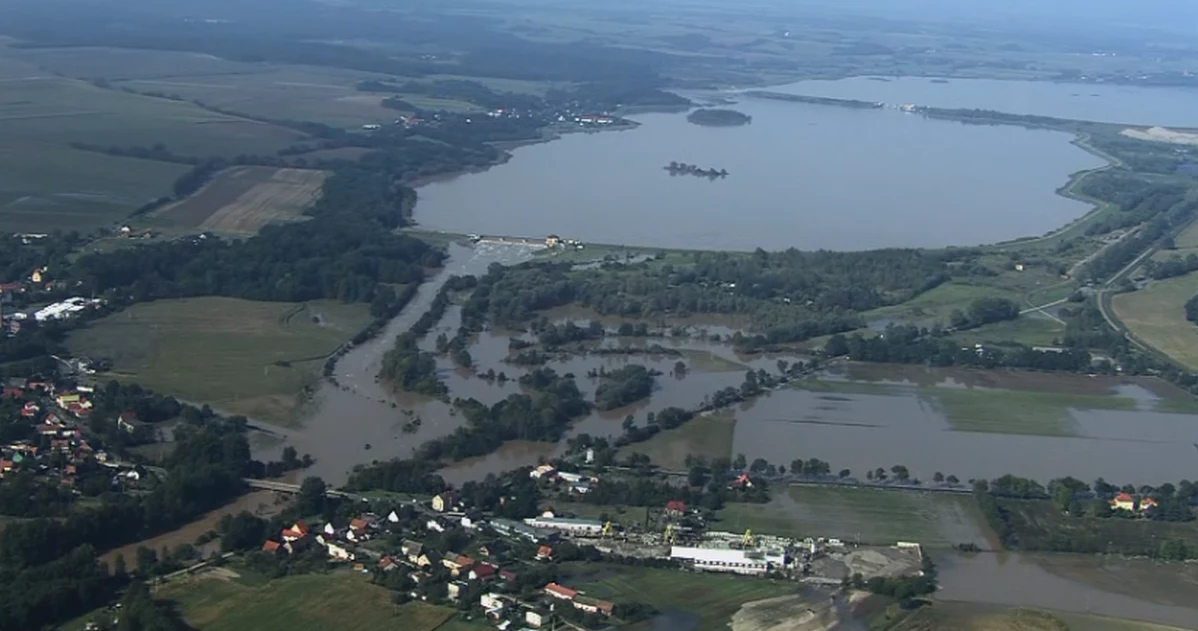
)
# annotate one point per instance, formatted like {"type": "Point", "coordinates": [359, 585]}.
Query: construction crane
{"type": "Point", "coordinates": [671, 534]}
{"type": "Point", "coordinates": [608, 529]}
{"type": "Point", "coordinates": [748, 541]}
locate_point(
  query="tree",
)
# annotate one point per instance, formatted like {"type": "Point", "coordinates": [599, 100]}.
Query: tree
{"type": "Point", "coordinates": [900, 473]}
{"type": "Point", "coordinates": [680, 368]}
{"type": "Point", "coordinates": [796, 467]}
{"type": "Point", "coordinates": [938, 477]}
{"type": "Point", "coordinates": [628, 424]}
{"type": "Point", "coordinates": [952, 479]}
{"type": "Point", "coordinates": [759, 465]}
{"type": "Point", "coordinates": [311, 496]}
{"type": "Point", "coordinates": [783, 366]}
{"type": "Point", "coordinates": [147, 559]}
{"type": "Point", "coordinates": [697, 476]}
{"type": "Point", "coordinates": [844, 473]}
{"type": "Point", "coordinates": [118, 566]}
{"type": "Point", "coordinates": [837, 346]}
{"type": "Point", "coordinates": [740, 462]}
{"type": "Point", "coordinates": [879, 474]}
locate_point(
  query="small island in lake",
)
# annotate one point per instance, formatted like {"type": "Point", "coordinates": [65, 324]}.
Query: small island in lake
{"type": "Point", "coordinates": [718, 118]}
{"type": "Point", "coordinates": [682, 168]}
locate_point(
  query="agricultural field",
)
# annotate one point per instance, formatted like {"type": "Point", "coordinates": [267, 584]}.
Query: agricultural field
{"type": "Point", "coordinates": [712, 598]}
{"type": "Point", "coordinates": [1171, 584]}
{"type": "Point", "coordinates": [874, 516]}
{"type": "Point", "coordinates": [309, 602]}
{"type": "Point", "coordinates": [241, 200]}
{"type": "Point", "coordinates": [1156, 316]}
{"type": "Point", "coordinates": [970, 617]}
{"type": "Point", "coordinates": [1036, 524]}
{"type": "Point", "coordinates": [240, 356]}
{"type": "Point", "coordinates": [708, 436]}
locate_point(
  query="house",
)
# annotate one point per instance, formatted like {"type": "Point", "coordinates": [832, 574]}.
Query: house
{"type": "Point", "coordinates": [553, 240]}
{"type": "Point", "coordinates": [127, 421]}
{"type": "Point", "coordinates": [340, 553]}
{"type": "Point", "coordinates": [412, 550]}
{"type": "Point", "coordinates": [325, 538]}
{"type": "Point", "coordinates": [1148, 503]}
{"type": "Point", "coordinates": [443, 502]}
{"type": "Point", "coordinates": [455, 589]}
{"type": "Point", "coordinates": [67, 398]}
{"type": "Point", "coordinates": [271, 546]}
{"type": "Point", "coordinates": [1123, 501]}
{"type": "Point", "coordinates": [536, 618]}
{"type": "Point", "coordinates": [6, 465]}
{"type": "Point", "coordinates": [744, 481]}
{"type": "Point", "coordinates": [30, 410]}
{"type": "Point", "coordinates": [559, 591]}
{"type": "Point", "coordinates": [428, 559]}
{"type": "Point", "coordinates": [491, 602]}
{"type": "Point", "coordinates": [457, 564]}
{"type": "Point", "coordinates": [594, 605]}
{"type": "Point", "coordinates": [543, 471]}
{"type": "Point", "coordinates": [387, 564]}
{"type": "Point", "coordinates": [329, 529]}
{"type": "Point", "coordinates": [494, 548]}
{"type": "Point", "coordinates": [483, 572]}
{"type": "Point", "coordinates": [435, 525]}
{"type": "Point", "coordinates": [544, 553]}
{"type": "Point", "coordinates": [357, 530]}
{"type": "Point", "coordinates": [290, 534]}
{"type": "Point", "coordinates": [393, 517]}
{"type": "Point", "coordinates": [573, 478]}
{"type": "Point", "coordinates": [507, 575]}
{"type": "Point", "coordinates": [675, 508]}
{"type": "Point", "coordinates": [11, 392]}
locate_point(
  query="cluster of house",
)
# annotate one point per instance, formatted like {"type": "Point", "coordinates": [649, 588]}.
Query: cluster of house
{"type": "Point", "coordinates": [339, 543]}
{"type": "Point", "coordinates": [1128, 502]}
{"type": "Point", "coordinates": [578, 482]}
{"type": "Point", "coordinates": [60, 439]}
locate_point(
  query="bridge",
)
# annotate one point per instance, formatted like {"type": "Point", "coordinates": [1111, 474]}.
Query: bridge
{"type": "Point", "coordinates": [294, 489]}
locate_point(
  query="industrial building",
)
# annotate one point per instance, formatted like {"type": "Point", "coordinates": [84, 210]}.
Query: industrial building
{"type": "Point", "coordinates": [728, 560]}
{"type": "Point", "coordinates": [577, 527]}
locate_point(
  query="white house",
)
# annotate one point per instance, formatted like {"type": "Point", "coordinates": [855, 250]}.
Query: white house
{"type": "Point", "coordinates": [491, 601]}
{"type": "Point", "coordinates": [340, 553]}
{"type": "Point", "coordinates": [393, 518]}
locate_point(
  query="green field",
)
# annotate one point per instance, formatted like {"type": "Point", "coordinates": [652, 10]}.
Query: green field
{"type": "Point", "coordinates": [309, 602]}
{"type": "Point", "coordinates": [1031, 330]}
{"type": "Point", "coordinates": [222, 351]}
{"type": "Point", "coordinates": [1039, 525]}
{"type": "Point", "coordinates": [707, 361]}
{"type": "Point", "coordinates": [714, 598]}
{"type": "Point", "coordinates": [875, 516]}
{"type": "Point", "coordinates": [1156, 316]}
{"type": "Point", "coordinates": [708, 436]}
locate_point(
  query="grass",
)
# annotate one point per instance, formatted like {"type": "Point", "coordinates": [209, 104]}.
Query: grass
{"type": "Point", "coordinates": [241, 200]}
{"type": "Point", "coordinates": [1036, 524]}
{"type": "Point", "coordinates": [708, 436]}
{"type": "Point", "coordinates": [308, 602]}
{"type": "Point", "coordinates": [707, 361]}
{"type": "Point", "coordinates": [1156, 315]}
{"type": "Point", "coordinates": [714, 598]}
{"type": "Point", "coordinates": [222, 351]}
{"type": "Point", "coordinates": [1029, 329]}
{"type": "Point", "coordinates": [875, 516]}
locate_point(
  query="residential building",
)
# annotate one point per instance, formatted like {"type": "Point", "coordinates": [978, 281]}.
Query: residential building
{"type": "Point", "coordinates": [272, 546]}
{"type": "Point", "coordinates": [536, 618]}
{"type": "Point", "coordinates": [594, 605]}
{"type": "Point", "coordinates": [340, 553]}
{"type": "Point", "coordinates": [675, 508]}
{"type": "Point", "coordinates": [428, 559]}
{"type": "Point", "coordinates": [494, 548]}
{"type": "Point", "coordinates": [412, 549]}
{"type": "Point", "coordinates": [1148, 503]}
{"type": "Point", "coordinates": [545, 553]}
{"type": "Point", "coordinates": [543, 471]}
{"type": "Point", "coordinates": [491, 602]}
{"type": "Point", "coordinates": [483, 572]}
{"type": "Point", "coordinates": [387, 564]}
{"type": "Point", "coordinates": [573, 478]}
{"type": "Point", "coordinates": [560, 592]}
{"type": "Point", "coordinates": [1123, 501]}
{"type": "Point", "coordinates": [443, 502]}
{"type": "Point", "coordinates": [455, 589]}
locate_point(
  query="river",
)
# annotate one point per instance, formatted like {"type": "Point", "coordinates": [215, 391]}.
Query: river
{"type": "Point", "coordinates": [804, 176]}
{"type": "Point", "coordinates": [1168, 106]}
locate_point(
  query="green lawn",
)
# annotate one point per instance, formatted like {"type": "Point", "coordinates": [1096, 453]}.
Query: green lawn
{"type": "Point", "coordinates": [1017, 411]}
{"type": "Point", "coordinates": [713, 597]}
{"type": "Point", "coordinates": [1156, 316]}
{"type": "Point", "coordinates": [223, 351]}
{"type": "Point", "coordinates": [876, 516]}
{"type": "Point", "coordinates": [708, 436]}
{"type": "Point", "coordinates": [309, 602]}
{"type": "Point", "coordinates": [707, 361]}
{"type": "Point", "coordinates": [1031, 330]}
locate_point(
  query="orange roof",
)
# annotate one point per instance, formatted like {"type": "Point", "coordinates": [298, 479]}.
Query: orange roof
{"type": "Point", "coordinates": [358, 524]}
{"type": "Point", "coordinates": [561, 591]}
{"type": "Point", "coordinates": [271, 546]}
{"type": "Point", "coordinates": [287, 532]}
{"type": "Point", "coordinates": [1124, 497]}
{"type": "Point", "coordinates": [1148, 501]}
{"type": "Point", "coordinates": [544, 551]}
{"type": "Point", "coordinates": [302, 527]}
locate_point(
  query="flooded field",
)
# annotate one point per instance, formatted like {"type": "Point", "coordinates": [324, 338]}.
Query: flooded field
{"type": "Point", "coordinates": [1055, 425]}
{"type": "Point", "coordinates": [1019, 581]}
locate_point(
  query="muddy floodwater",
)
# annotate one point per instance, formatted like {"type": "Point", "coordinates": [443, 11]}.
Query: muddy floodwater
{"type": "Point", "coordinates": [1014, 580]}
{"type": "Point", "coordinates": [863, 431]}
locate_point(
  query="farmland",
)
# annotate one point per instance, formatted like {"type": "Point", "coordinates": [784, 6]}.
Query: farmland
{"type": "Point", "coordinates": [1156, 315]}
{"type": "Point", "coordinates": [241, 200]}
{"type": "Point", "coordinates": [875, 516]}
{"type": "Point", "coordinates": [711, 597]}
{"type": "Point", "coordinates": [309, 602]}
{"type": "Point", "coordinates": [241, 356]}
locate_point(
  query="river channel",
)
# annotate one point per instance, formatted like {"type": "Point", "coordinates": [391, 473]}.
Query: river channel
{"type": "Point", "coordinates": [804, 176]}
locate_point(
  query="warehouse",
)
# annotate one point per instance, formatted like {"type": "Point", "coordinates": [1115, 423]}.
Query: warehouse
{"type": "Point", "coordinates": [727, 560]}
{"type": "Point", "coordinates": [577, 527]}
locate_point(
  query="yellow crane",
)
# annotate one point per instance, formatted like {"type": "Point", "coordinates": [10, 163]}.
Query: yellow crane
{"type": "Point", "coordinates": [608, 529]}
{"type": "Point", "coordinates": [671, 534]}
{"type": "Point", "coordinates": [748, 541]}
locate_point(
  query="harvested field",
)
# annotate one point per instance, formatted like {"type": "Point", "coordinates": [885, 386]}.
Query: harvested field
{"type": "Point", "coordinates": [971, 617]}
{"type": "Point", "coordinates": [786, 613]}
{"type": "Point", "coordinates": [260, 503]}
{"type": "Point", "coordinates": [875, 516]}
{"type": "Point", "coordinates": [1156, 316]}
{"type": "Point", "coordinates": [242, 200]}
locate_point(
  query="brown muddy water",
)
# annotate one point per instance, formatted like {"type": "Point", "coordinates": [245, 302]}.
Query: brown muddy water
{"type": "Point", "coordinates": [1014, 580]}
{"type": "Point", "coordinates": [864, 431]}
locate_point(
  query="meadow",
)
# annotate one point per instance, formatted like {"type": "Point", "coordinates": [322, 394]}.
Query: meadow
{"type": "Point", "coordinates": [708, 436]}
{"type": "Point", "coordinates": [1156, 315]}
{"type": "Point", "coordinates": [240, 356]}
{"type": "Point", "coordinates": [241, 200]}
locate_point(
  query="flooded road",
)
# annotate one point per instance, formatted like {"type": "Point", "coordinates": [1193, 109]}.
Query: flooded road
{"type": "Point", "coordinates": [1014, 580]}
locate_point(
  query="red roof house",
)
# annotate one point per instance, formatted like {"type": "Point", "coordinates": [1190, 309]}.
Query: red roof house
{"type": "Point", "coordinates": [482, 572]}
{"type": "Point", "coordinates": [559, 591]}
{"type": "Point", "coordinates": [676, 507]}
{"type": "Point", "coordinates": [545, 553]}
{"type": "Point", "coordinates": [271, 546]}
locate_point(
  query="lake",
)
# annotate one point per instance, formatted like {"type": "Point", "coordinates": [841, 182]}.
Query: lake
{"type": "Point", "coordinates": [804, 176]}
{"type": "Point", "coordinates": [1167, 106]}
